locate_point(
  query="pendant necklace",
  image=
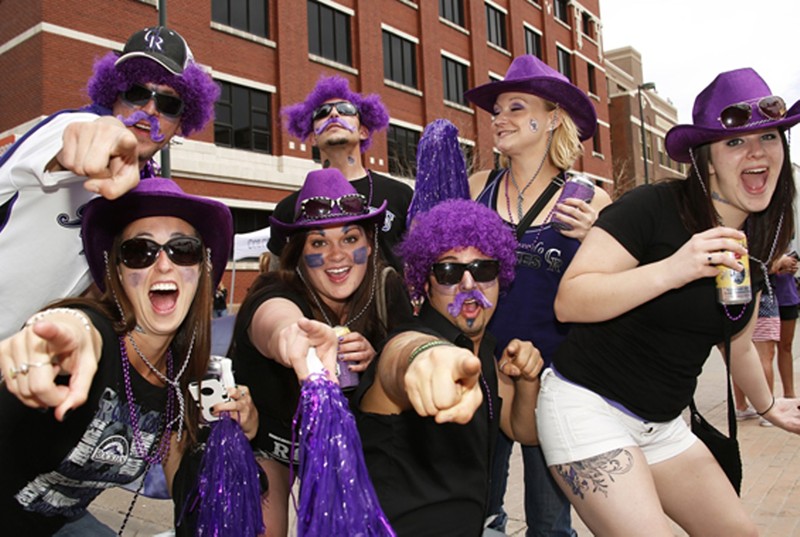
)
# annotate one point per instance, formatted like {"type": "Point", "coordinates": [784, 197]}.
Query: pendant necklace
{"type": "Point", "coordinates": [521, 193]}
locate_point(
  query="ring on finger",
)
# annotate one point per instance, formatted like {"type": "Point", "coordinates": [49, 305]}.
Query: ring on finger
{"type": "Point", "coordinates": [13, 372]}
{"type": "Point", "coordinates": [709, 259]}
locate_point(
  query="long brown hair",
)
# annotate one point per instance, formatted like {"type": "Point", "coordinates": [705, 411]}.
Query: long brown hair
{"type": "Point", "coordinates": [698, 214]}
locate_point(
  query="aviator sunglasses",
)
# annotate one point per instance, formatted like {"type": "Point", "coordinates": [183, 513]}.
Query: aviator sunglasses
{"type": "Point", "coordinates": [343, 107]}
{"type": "Point", "coordinates": [482, 270]}
{"type": "Point", "coordinates": [141, 253]}
{"type": "Point", "coordinates": [739, 114]}
{"type": "Point", "coordinates": [321, 206]}
{"type": "Point", "coordinates": [167, 105]}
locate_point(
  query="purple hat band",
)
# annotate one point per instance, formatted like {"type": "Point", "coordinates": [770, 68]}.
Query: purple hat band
{"type": "Point", "coordinates": [104, 219]}
{"type": "Point", "coordinates": [729, 88]}
{"type": "Point", "coordinates": [529, 74]}
{"type": "Point", "coordinates": [327, 183]}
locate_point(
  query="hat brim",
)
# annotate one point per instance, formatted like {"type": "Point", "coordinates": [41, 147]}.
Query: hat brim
{"type": "Point", "coordinates": [281, 230]}
{"type": "Point", "coordinates": [164, 61]}
{"type": "Point", "coordinates": [681, 138]}
{"type": "Point", "coordinates": [569, 97]}
{"type": "Point", "coordinates": [106, 219]}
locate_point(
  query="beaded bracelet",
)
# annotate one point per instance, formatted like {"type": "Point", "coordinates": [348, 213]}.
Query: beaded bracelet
{"type": "Point", "coordinates": [772, 404]}
{"type": "Point", "coordinates": [425, 346]}
{"type": "Point", "coordinates": [69, 311]}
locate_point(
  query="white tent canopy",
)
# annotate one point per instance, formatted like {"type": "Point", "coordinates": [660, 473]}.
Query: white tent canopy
{"type": "Point", "coordinates": [246, 245]}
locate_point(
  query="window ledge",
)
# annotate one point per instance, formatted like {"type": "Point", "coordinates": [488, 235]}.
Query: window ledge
{"type": "Point", "coordinates": [402, 87]}
{"type": "Point", "coordinates": [460, 107]}
{"type": "Point", "coordinates": [595, 154]}
{"type": "Point", "coordinates": [224, 28]}
{"type": "Point", "coordinates": [454, 26]}
{"type": "Point", "coordinates": [330, 63]}
{"type": "Point", "coordinates": [410, 4]}
{"type": "Point", "coordinates": [498, 48]}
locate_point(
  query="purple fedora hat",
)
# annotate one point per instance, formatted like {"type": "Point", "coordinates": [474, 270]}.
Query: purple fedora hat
{"type": "Point", "coordinates": [319, 204]}
{"type": "Point", "coordinates": [104, 219]}
{"type": "Point", "coordinates": [739, 99]}
{"type": "Point", "coordinates": [529, 74]}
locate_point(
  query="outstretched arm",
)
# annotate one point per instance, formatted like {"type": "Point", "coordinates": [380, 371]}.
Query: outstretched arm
{"type": "Point", "coordinates": [518, 382]}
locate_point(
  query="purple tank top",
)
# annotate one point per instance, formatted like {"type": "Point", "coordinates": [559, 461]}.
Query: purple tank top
{"type": "Point", "coordinates": [525, 310]}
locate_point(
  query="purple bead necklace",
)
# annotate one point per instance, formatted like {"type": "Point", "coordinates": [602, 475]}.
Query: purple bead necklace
{"type": "Point", "coordinates": [138, 442]}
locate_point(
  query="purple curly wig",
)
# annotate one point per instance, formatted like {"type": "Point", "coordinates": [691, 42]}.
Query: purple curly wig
{"type": "Point", "coordinates": [455, 224]}
{"type": "Point", "coordinates": [371, 110]}
{"type": "Point", "coordinates": [197, 89]}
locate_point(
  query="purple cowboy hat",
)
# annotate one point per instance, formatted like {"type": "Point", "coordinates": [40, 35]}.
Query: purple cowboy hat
{"type": "Point", "coordinates": [104, 219]}
{"type": "Point", "coordinates": [327, 184]}
{"type": "Point", "coordinates": [528, 74]}
{"type": "Point", "coordinates": [739, 87]}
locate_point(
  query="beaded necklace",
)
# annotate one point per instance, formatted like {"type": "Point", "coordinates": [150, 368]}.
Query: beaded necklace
{"type": "Point", "coordinates": [488, 397]}
{"type": "Point", "coordinates": [530, 247]}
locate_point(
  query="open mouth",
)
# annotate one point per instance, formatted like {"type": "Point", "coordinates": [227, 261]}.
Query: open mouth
{"type": "Point", "coordinates": [754, 180]}
{"type": "Point", "coordinates": [164, 296]}
{"type": "Point", "coordinates": [339, 274]}
{"type": "Point", "coordinates": [470, 309]}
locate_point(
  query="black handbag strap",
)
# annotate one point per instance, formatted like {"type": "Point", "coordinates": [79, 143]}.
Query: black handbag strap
{"type": "Point", "coordinates": [539, 204]}
{"type": "Point", "coordinates": [732, 428]}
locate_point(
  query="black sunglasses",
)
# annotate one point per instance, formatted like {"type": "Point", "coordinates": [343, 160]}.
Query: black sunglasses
{"type": "Point", "coordinates": [322, 207]}
{"type": "Point", "coordinates": [168, 105]}
{"type": "Point", "coordinates": [482, 270]}
{"type": "Point", "coordinates": [739, 114]}
{"type": "Point", "coordinates": [343, 107]}
{"type": "Point", "coordinates": [141, 253]}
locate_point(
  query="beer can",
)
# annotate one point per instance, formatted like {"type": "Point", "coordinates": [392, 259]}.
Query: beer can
{"type": "Point", "coordinates": [577, 186]}
{"type": "Point", "coordinates": [733, 286]}
{"type": "Point", "coordinates": [347, 378]}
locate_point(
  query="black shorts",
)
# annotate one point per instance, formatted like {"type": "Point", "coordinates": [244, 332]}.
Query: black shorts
{"type": "Point", "coordinates": [788, 313]}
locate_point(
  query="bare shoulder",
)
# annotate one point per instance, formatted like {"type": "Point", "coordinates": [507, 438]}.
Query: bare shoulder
{"type": "Point", "coordinates": [601, 198]}
{"type": "Point", "coordinates": [477, 181]}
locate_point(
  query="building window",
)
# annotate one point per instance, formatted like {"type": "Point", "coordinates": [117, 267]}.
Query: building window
{"type": "Point", "coordinates": [533, 43]}
{"type": "Point", "coordinates": [402, 145]}
{"type": "Point", "coordinates": [564, 63]}
{"type": "Point", "coordinates": [329, 33]}
{"type": "Point", "coordinates": [596, 147]}
{"type": "Point", "coordinates": [243, 119]}
{"type": "Point", "coordinates": [247, 15]}
{"type": "Point", "coordinates": [452, 10]}
{"type": "Point", "coordinates": [247, 220]}
{"type": "Point", "coordinates": [590, 71]}
{"type": "Point", "coordinates": [399, 60]}
{"type": "Point", "coordinates": [496, 26]}
{"type": "Point", "coordinates": [454, 76]}
{"type": "Point", "coordinates": [561, 11]}
{"type": "Point", "coordinates": [586, 24]}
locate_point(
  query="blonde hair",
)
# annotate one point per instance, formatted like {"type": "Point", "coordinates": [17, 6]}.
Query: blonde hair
{"type": "Point", "coordinates": [566, 146]}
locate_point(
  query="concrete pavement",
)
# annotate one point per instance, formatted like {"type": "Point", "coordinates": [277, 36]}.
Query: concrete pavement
{"type": "Point", "coordinates": [770, 489]}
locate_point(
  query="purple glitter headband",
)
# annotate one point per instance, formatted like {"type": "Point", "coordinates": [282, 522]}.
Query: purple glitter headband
{"type": "Point", "coordinates": [455, 224]}
{"type": "Point", "coordinates": [197, 89]}
{"type": "Point", "coordinates": [371, 110]}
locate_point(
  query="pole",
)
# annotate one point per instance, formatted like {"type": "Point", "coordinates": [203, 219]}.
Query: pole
{"type": "Point", "coordinates": [644, 136]}
{"type": "Point", "coordinates": [166, 165]}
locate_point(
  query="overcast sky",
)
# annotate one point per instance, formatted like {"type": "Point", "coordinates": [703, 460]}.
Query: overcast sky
{"type": "Point", "coordinates": [686, 43]}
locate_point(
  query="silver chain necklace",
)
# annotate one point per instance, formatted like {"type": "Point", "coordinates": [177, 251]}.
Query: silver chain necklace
{"type": "Point", "coordinates": [521, 193]}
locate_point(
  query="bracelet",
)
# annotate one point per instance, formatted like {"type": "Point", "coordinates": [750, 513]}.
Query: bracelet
{"type": "Point", "coordinates": [425, 346]}
{"type": "Point", "coordinates": [772, 404]}
{"type": "Point", "coordinates": [69, 311]}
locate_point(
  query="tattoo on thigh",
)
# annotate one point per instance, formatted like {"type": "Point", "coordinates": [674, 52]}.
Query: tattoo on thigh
{"type": "Point", "coordinates": [595, 473]}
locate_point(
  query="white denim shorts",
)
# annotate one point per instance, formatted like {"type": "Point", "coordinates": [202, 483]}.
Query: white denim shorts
{"type": "Point", "coordinates": [575, 424]}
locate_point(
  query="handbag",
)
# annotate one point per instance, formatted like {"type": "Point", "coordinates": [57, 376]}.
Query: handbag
{"type": "Point", "coordinates": [724, 448]}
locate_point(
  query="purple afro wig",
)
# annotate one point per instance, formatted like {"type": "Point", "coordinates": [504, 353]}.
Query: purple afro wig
{"type": "Point", "coordinates": [371, 110]}
{"type": "Point", "coordinates": [455, 224]}
{"type": "Point", "coordinates": [197, 89]}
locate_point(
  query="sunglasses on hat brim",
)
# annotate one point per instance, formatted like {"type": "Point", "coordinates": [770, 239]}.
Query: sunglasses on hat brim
{"type": "Point", "coordinates": [736, 115]}
{"type": "Point", "coordinates": [482, 271]}
{"type": "Point", "coordinates": [344, 108]}
{"type": "Point", "coordinates": [322, 207]}
{"type": "Point", "coordinates": [167, 105]}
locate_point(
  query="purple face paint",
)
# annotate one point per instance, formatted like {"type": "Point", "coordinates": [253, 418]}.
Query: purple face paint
{"type": "Point", "coordinates": [360, 255]}
{"type": "Point", "coordinates": [454, 308]}
{"type": "Point", "coordinates": [139, 115]}
{"type": "Point", "coordinates": [135, 279]}
{"type": "Point", "coordinates": [333, 121]}
{"type": "Point", "coordinates": [314, 260]}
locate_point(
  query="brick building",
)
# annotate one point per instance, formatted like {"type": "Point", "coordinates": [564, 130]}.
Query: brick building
{"type": "Point", "coordinates": [419, 55]}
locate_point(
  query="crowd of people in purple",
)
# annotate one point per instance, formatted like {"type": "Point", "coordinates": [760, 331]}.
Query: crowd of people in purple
{"type": "Point", "coordinates": [458, 318]}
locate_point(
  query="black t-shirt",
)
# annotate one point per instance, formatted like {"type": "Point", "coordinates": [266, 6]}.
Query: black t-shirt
{"type": "Point", "coordinates": [379, 188]}
{"type": "Point", "coordinates": [56, 469]}
{"type": "Point", "coordinates": [648, 359]}
{"type": "Point", "coordinates": [433, 479]}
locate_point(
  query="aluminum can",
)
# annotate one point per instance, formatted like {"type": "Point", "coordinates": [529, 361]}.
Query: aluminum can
{"type": "Point", "coordinates": [577, 186]}
{"type": "Point", "coordinates": [733, 286]}
{"type": "Point", "coordinates": [347, 378]}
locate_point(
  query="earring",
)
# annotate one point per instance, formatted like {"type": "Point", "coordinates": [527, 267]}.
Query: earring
{"type": "Point", "coordinates": [209, 265]}
{"type": "Point", "coordinates": [534, 125]}
{"type": "Point", "coordinates": [113, 293]}
{"type": "Point", "coordinates": [416, 304]}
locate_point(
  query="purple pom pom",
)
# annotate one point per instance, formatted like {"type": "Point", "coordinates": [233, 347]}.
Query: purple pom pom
{"type": "Point", "coordinates": [336, 494]}
{"type": "Point", "coordinates": [228, 488]}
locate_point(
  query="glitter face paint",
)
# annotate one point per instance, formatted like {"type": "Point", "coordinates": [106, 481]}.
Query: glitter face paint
{"type": "Point", "coordinates": [454, 307]}
{"type": "Point", "coordinates": [360, 255]}
{"type": "Point", "coordinates": [333, 120]}
{"type": "Point", "coordinates": [139, 115]}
